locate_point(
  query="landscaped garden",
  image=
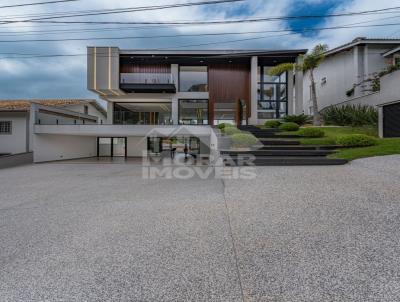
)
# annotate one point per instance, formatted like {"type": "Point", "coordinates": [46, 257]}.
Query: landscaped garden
{"type": "Point", "coordinates": [352, 128]}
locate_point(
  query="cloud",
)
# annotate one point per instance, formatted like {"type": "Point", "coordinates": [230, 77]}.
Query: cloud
{"type": "Point", "coordinates": [66, 76]}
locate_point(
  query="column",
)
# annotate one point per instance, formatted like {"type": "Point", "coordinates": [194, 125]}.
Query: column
{"type": "Point", "coordinates": [290, 92]}
{"type": "Point", "coordinates": [298, 104]}
{"type": "Point", "coordinates": [253, 120]}
{"type": "Point", "coordinates": [110, 113]}
{"type": "Point", "coordinates": [175, 111]}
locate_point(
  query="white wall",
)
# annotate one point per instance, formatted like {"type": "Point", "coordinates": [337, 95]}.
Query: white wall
{"type": "Point", "coordinates": [49, 147]}
{"type": "Point", "coordinates": [16, 141]}
{"type": "Point", "coordinates": [390, 92]}
{"type": "Point", "coordinates": [136, 146]}
{"type": "Point", "coordinates": [91, 111]}
{"type": "Point", "coordinates": [341, 71]}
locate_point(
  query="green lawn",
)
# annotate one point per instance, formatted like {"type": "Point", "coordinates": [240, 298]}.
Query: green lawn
{"type": "Point", "coordinates": [331, 133]}
{"type": "Point", "coordinates": [386, 146]}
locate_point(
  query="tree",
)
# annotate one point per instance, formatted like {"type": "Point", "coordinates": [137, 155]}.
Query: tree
{"type": "Point", "coordinates": [308, 62]}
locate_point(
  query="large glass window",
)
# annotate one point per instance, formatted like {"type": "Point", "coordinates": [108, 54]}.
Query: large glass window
{"type": "Point", "coordinates": [142, 113]}
{"type": "Point", "coordinates": [193, 78]}
{"type": "Point", "coordinates": [193, 112]}
{"type": "Point", "coordinates": [272, 94]}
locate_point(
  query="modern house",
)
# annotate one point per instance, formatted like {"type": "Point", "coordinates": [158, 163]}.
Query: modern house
{"type": "Point", "coordinates": [157, 98]}
{"type": "Point", "coordinates": [364, 71]}
{"type": "Point", "coordinates": [16, 125]}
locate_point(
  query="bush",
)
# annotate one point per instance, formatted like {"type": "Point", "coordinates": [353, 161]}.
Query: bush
{"type": "Point", "coordinates": [312, 132]}
{"type": "Point", "coordinates": [272, 124]}
{"type": "Point", "coordinates": [243, 139]}
{"type": "Point", "coordinates": [231, 130]}
{"type": "Point", "coordinates": [356, 140]}
{"type": "Point", "coordinates": [224, 125]}
{"type": "Point", "coordinates": [350, 115]}
{"type": "Point", "coordinates": [289, 127]}
{"type": "Point", "coordinates": [300, 119]}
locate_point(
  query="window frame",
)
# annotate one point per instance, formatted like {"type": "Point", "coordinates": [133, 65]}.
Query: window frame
{"type": "Point", "coordinates": [260, 97]}
{"type": "Point", "coordinates": [10, 128]}
{"type": "Point", "coordinates": [179, 77]}
{"type": "Point", "coordinates": [194, 99]}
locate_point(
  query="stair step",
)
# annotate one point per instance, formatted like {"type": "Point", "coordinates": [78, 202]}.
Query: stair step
{"type": "Point", "coordinates": [281, 153]}
{"type": "Point", "coordinates": [279, 142]}
{"type": "Point", "coordinates": [295, 161]}
{"type": "Point", "coordinates": [298, 147]}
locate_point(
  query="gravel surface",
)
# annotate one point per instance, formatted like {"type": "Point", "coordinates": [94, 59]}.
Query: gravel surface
{"type": "Point", "coordinates": [99, 232]}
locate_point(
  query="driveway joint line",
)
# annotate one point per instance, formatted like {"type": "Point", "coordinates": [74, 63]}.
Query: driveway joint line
{"type": "Point", "coordinates": [233, 241]}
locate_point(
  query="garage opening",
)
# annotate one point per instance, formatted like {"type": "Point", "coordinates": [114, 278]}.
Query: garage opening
{"type": "Point", "coordinates": [391, 120]}
{"type": "Point", "coordinates": [112, 147]}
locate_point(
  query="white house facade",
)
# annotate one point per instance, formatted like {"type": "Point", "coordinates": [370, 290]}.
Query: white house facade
{"type": "Point", "coordinates": [347, 74]}
{"type": "Point", "coordinates": [16, 124]}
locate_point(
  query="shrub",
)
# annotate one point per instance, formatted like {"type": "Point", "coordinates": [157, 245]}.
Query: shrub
{"type": "Point", "coordinates": [312, 132]}
{"type": "Point", "coordinates": [243, 139]}
{"type": "Point", "coordinates": [356, 140]}
{"type": "Point", "coordinates": [224, 125]}
{"type": "Point", "coordinates": [231, 130]}
{"type": "Point", "coordinates": [272, 124]}
{"type": "Point", "coordinates": [300, 119]}
{"type": "Point", "coordinates": [289, 127]}
{"type": "Point", "coordinates": [350, 115]}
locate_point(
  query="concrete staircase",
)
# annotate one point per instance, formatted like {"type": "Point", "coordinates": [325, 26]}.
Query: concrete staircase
{"type": "Point", "coordinates": [281, 150]}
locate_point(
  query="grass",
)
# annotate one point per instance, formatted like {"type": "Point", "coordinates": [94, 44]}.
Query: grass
{"type": "Point", "coordinates": [331, 133]}
{"type": "Point", "coordinates": [385, 146]}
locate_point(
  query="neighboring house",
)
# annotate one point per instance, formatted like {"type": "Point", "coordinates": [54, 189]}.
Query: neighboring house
{"type": "Point", "coordinates": [15, 123]}
{"type": "Point", "coordinates": [157, 97]}
{"type": "Point", "coordinates": [356, 73]}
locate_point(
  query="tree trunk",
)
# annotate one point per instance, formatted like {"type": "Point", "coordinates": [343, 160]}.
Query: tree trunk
{"type": "Point", "coordinates": [316, 115]}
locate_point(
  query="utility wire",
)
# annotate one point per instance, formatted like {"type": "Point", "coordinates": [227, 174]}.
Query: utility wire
{"type": "Point", "coordinates": [119, 11]}
{"type": "Point", "coordinates": [201, 22]}
{"type": "Point", "coordinates": [198, 35]}
{"type": "Point", "coordinates": [119, 28]}
{"type": "Point", "coordinates": [37, 3]}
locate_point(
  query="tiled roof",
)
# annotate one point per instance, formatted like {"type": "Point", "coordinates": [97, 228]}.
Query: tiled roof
{"type": "Point", "coordinates": [24, 105]}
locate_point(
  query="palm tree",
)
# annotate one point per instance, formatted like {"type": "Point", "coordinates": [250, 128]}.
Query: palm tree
{"type": "Point", "coordinates": [309, 62]}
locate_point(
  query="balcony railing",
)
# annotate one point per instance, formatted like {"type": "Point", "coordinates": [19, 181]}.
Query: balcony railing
{"type": "Point", "coordinates": [147, 82]}
{"type": "Point", "coordinates": [146, 78]}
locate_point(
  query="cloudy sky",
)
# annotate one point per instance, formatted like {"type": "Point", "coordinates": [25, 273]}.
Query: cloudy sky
{"type": "Point", "coordinates": [65, 76]}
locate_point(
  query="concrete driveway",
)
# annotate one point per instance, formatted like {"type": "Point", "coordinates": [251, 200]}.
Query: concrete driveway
{"type": "Point", "coordinates": [99, 232]}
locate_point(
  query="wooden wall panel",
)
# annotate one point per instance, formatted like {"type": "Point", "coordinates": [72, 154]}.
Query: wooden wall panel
{"type": "Point", "coordinates": [228, 83]}
{"type": "Point", "coordinates": [139, 68]}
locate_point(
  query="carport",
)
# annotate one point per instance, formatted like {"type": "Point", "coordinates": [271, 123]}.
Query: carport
{"type": "Point", "coordinates": [389, 119]}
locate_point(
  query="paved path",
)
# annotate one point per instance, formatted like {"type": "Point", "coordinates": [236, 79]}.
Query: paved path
{"type": "Point", "coordinates": [84, 232]}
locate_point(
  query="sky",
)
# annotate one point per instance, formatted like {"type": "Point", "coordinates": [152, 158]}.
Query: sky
{"type": "Point", "coordinates": [65, 77]}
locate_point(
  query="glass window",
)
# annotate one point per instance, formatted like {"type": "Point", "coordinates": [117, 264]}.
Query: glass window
{"type": "Point", "coordinates": [193, 79]}
{"type": "Point", "coordinates": [5, 127]}
{"type": "Point", "coordinates": [272, 94]}
{"type": "Point", "coordinates": [193, 112]}
{"type": "Point", "coordinates": [142, 114]}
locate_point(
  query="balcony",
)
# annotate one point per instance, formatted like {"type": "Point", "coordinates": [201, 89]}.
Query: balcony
{"type": "Point", "coordinates": [147, 83]}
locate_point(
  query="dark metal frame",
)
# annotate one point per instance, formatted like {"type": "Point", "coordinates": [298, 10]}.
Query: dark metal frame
{"type": "Point", "coordinates": [208, 110]}
{"type": "Point", "coordinates": [114, 103]}
{"type": "Point", "coordinates": [278, 101]}
{"type": "Point", "coordinates": [112, 146]}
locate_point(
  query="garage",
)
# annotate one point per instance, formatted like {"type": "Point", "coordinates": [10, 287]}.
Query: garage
{"type": "Point", "coordinates": [389, 121]}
